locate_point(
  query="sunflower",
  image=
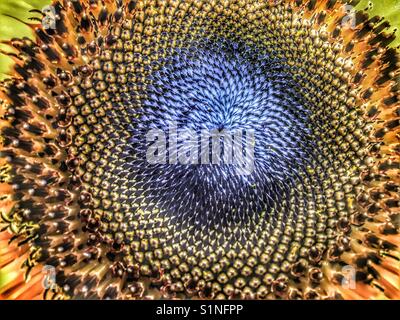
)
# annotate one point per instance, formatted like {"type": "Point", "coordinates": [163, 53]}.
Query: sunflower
{"type": "Point", "coordinates": [86, 215]}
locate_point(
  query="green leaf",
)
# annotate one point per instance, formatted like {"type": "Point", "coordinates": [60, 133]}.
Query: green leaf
{"type": "Point", "coordinates": [13, 28]}
{"type": "Point", "coordinates": [389, 9]}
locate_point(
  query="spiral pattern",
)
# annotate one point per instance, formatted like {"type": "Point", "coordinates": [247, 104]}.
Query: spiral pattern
{"type": "Point", "coordinates": [320, 97]}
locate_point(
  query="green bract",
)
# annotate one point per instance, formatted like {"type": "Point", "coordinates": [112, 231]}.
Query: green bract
{"type": "Point", "coordinates": [11, 13]}
{"type": "Point", "coordinates": [389, 9]}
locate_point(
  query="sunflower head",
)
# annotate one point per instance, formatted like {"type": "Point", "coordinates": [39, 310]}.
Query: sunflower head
{"type": "Point", "coordinates": [314, 84]}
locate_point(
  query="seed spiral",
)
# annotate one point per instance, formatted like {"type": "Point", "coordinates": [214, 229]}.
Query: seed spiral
{"type": "Point", "coordinates": [321, 96]}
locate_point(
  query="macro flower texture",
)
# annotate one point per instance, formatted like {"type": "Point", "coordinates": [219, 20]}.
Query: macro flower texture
{"type": "Point", "coordinates": [85, 215]}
